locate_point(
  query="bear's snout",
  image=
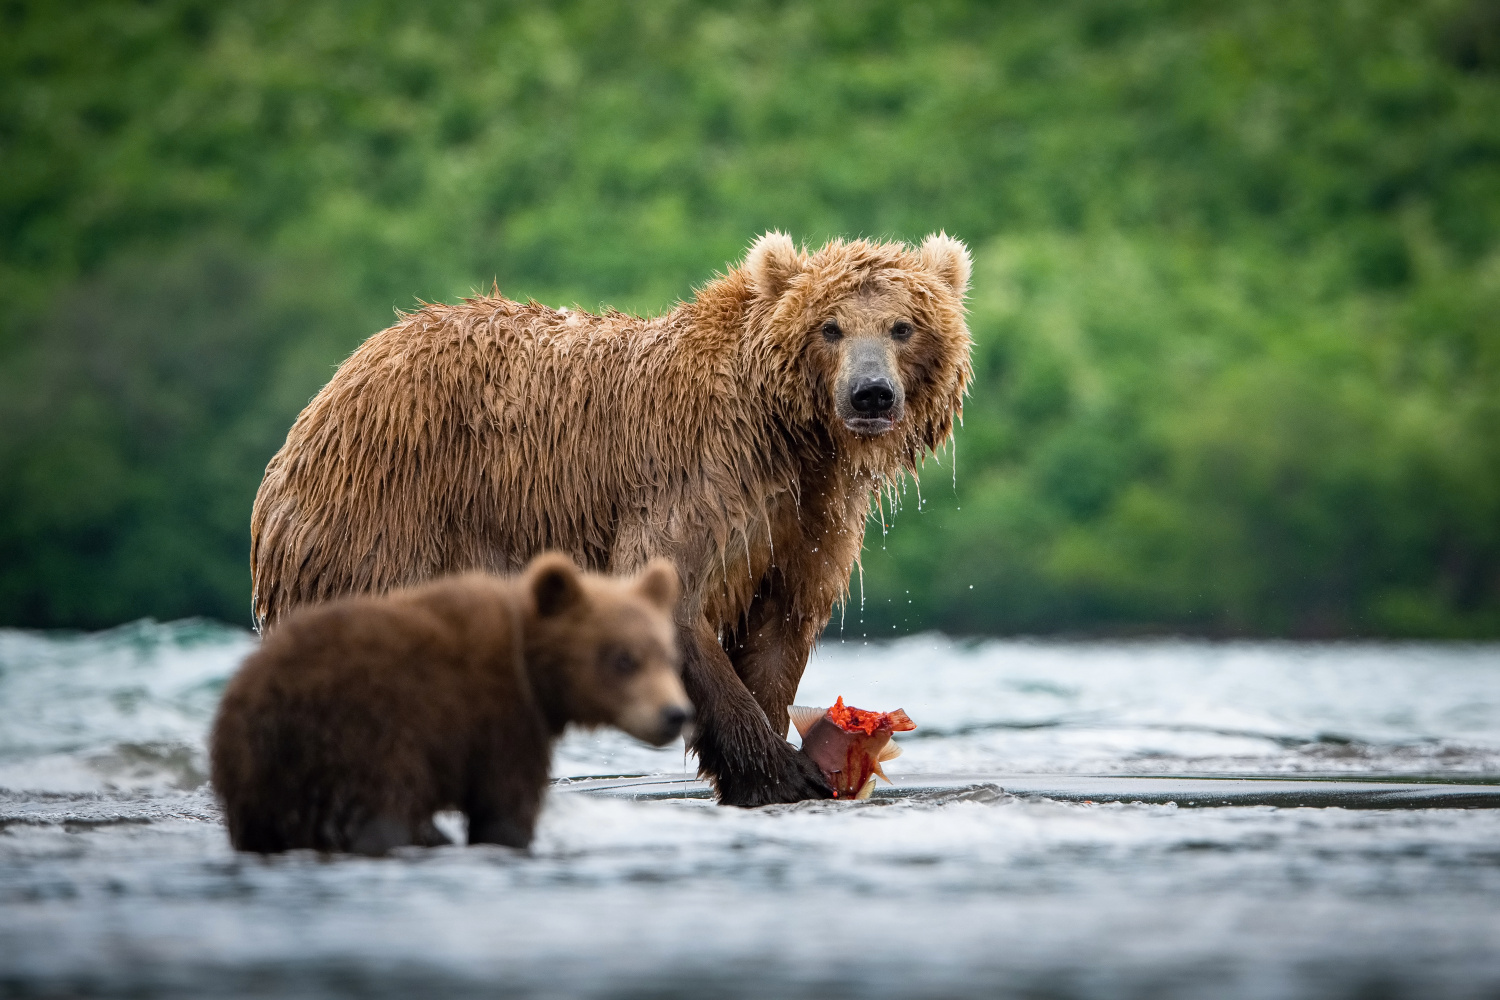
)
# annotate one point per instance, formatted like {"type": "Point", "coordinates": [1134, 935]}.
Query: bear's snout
{"type": "Point", "coordinates": [872, 397]}
{"type": "Point", "coordinates": [656, 709]}
{"type": "Point", "coordinates": [868, 395]}
{"type": "Point", "coordinates": [660, 727]}
{"type": "Point", "coordinates": [673, 719]}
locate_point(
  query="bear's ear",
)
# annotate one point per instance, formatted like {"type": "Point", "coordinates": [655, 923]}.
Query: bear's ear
{"type": "Point", "coordinates": [658, 584]}
{"type": "Point", "coordinates": [554, 584]}
{"type": "Point", "coordinates": [947, 258]}
{"type": "Point", "coordinates": [772, 263]}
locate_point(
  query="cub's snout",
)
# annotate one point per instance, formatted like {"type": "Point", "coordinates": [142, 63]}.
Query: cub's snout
{"type": "Point", "coordinates": [658, 711]}
{"type": "Point", "coordinates": [652, 704]}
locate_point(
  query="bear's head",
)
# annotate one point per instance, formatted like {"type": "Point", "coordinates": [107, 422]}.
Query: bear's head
{"type": "Point", "coordinates": [603, 650]}
{"type": "Point", "coordinates": [867, 339]}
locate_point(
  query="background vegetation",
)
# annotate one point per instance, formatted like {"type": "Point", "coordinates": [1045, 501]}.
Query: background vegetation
{"type": "Point", "coordinates": [1237, 297]}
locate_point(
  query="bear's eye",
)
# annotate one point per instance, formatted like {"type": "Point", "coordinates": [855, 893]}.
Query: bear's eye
{"type": "Point", "coordinates": [620, 662]}
{"type": "Point", "coordinates": [831, 331]}
{"type": "Point", "coordinates": [902, 330]}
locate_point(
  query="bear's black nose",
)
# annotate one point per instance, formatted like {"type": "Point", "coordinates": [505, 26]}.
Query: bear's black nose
{"type": "Point", "coordinates": [872, 396]}
{"type": "Point", "coordinates": [673, 719]}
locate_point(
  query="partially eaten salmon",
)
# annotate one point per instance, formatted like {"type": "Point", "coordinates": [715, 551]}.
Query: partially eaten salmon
{"type": "Point", "coordinates": [850, 744]}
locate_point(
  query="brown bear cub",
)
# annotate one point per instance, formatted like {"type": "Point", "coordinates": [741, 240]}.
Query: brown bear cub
{"type": "Point", "coordinates": [357, 720]}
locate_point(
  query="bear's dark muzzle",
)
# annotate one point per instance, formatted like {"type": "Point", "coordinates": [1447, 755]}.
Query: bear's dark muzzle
{"type": "Point", "coordinates": [872, 397]}
{"type": "Point", "coordinates": [673, 719]}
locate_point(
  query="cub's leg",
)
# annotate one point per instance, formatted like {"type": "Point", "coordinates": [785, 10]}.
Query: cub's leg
{"type": "Point", "coordinates": [380, 835]}
{"type": "Point", "coordinates": [494, 828]}
{"type": "Point", "coordinates": [507, 823]}
{"type": "Point", "coordinates": [506, 787]}
{"type": "Point", "coordinates": [428, 835]}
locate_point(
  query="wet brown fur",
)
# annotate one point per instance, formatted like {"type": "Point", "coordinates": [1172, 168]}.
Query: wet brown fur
{"type": "Point", "coordinates": [474, 435]}
{"type": "Point", "coordinates": [357, 720]}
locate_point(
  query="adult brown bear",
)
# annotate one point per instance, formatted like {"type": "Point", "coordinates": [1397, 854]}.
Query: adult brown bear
{"type": "Point", "coordinates": [741, 435]}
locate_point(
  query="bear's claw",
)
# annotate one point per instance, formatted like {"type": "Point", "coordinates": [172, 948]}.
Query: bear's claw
{"type": "Point", "coordinates": [785, 775]}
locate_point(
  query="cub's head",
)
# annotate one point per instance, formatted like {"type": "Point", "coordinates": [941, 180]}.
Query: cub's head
{"type": "Point", "coordinates": [868, 338]}
{"type": "Point", "coordinates": [602, 650]}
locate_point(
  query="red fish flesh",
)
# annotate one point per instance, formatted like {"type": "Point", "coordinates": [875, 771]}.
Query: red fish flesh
{"type": "Point", "coordinates": [850, 744]}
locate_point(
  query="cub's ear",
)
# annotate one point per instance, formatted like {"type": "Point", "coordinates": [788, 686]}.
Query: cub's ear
{"type": "Point", "coordinates": [553, 581]}
{"type": "Point", "coordinates": [658, 583]}
{"type": "Point", "coordinates": [772, 263]}
{"type": "Point", "coordinates": [947, 258]}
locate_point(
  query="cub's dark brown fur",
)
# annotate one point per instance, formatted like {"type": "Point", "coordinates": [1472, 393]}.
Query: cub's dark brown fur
{"type": "Point", "coordinates": [357, 720]}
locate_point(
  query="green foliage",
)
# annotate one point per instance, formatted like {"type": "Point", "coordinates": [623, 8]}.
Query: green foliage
{"type": "Point", "coordinates": [1236, 294]}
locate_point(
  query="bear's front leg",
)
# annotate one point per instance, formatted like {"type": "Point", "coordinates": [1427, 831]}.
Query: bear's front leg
{"type": "Point", "coordinates": [749, 763]}
{"type": "Point", "coordinates": [507, 783]}
{"type": "Point", "coordinates": [507, 831]}
{"type": "Point", "coordinates": [771, 650]}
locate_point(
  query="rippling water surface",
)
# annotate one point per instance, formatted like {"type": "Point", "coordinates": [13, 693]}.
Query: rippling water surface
{"type": "Point", "coordinates": [116, 878]}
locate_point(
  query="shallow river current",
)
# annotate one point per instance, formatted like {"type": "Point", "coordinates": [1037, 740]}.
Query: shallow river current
{"type": "Point", "coordinates": [116, 878]}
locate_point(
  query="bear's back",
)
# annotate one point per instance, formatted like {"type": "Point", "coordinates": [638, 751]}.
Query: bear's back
{"type": "Point", "coordinates": [474, 436]}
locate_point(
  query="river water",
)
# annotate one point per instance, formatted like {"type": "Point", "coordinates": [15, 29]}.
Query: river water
{"type": "Point", "coordinates": [116, 878]}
